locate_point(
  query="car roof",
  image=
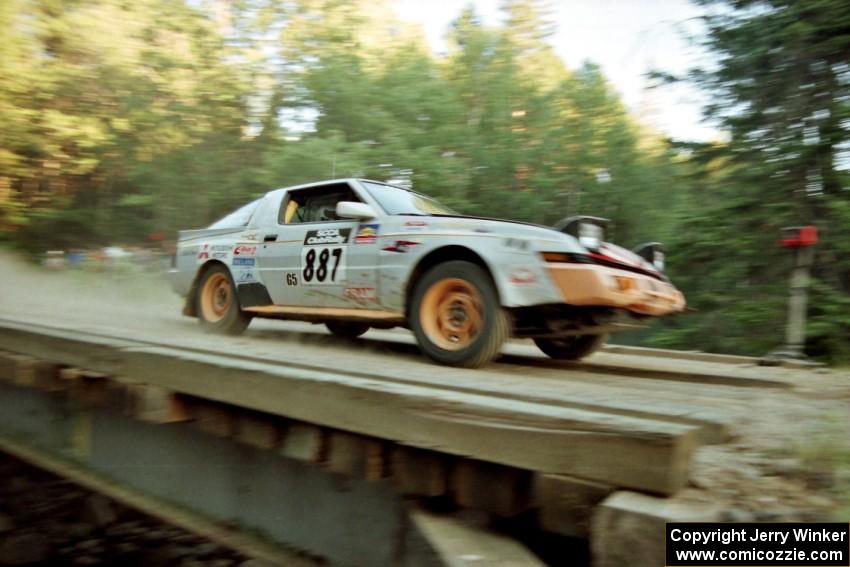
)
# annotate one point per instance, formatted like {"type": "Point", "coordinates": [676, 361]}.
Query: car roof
{"type": "Point", "coordinates": [328, 182]}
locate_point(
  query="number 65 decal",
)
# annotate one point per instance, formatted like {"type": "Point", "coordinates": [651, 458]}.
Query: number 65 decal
{"type": "Point", "coordinates": [321, 265]}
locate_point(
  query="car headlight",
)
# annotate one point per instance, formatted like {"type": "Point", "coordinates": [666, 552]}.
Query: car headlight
{"type": "Point", "coordinates": [590, 235]}
{"type": "Point", "coordinates": [590, 231]}
{"type": "Point", "coordinates": [652, 252]}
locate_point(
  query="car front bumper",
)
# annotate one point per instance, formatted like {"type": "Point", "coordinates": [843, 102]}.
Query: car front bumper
{"type": "Point", "coordinates": [583, 284]}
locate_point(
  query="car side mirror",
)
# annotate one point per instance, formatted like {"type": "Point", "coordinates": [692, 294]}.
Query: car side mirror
{"type": "Point", "coordinates": [354, 210]}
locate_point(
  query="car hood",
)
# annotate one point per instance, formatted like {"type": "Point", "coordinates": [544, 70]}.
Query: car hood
{"type": "Point", "coordinates": [558, 240]}
{"type": "Point", "coordinates": [497, 227]}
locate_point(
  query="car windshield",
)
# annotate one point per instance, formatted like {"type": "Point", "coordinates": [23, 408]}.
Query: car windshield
{"type": "Point", "coordinates": [237, 218]}
{"type": "Point", "coordinates": [398, 201]}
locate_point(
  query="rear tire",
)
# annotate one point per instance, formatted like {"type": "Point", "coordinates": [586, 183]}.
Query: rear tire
{"type": "Point", "coordinates": [217, 305]}
{"type": "Point", "coordinates": [571, 348]}
{"type": "Point", "coordinates": [346, 329]}
{"type": "Point", "coordinates": [456, 316]}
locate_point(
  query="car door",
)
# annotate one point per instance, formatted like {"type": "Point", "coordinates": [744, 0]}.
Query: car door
{"type": "Point", "coordinates": [360, 290]}
{"type": "Point", "coordinates": [309, 259]}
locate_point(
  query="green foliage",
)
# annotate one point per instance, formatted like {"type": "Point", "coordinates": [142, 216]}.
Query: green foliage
{"type": "Point", "coordinates": [178, 121]}
{"type": "Point", "coordinates": [781, 86]}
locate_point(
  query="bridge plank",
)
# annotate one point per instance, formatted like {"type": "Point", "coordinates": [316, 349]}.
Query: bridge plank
{"type": "Point", "coordinates": [417, 472]}
{"type": "Point", "coordinates": [622, 450]}
{"type": "Point", "coordinates": [460, 544]}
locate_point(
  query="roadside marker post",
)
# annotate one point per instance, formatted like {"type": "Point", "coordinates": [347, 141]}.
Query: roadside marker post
{"type": "Point", "coordinates": [802, 240]}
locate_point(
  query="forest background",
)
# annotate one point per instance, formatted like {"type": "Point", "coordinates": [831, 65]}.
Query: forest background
{"type": "Point", "coordinates": [123, 120]}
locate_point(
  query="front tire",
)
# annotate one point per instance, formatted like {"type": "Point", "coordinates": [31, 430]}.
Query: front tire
{"type": "Point", "coordinates": [346, 329]}
{"type": "Point", "coordinates": [571, 348]}
{"type": "Point", "coordinates": [217, 305]}
{"type": "Point", "coordinates": [456, 315]}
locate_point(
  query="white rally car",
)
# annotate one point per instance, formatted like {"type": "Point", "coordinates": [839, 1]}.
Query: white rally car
{"type": "Point", "coordinates": [355, 254]}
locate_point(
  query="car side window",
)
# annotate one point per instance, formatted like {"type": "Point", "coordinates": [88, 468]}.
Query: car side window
{"type": "Point", "coordinates": [315, 204]}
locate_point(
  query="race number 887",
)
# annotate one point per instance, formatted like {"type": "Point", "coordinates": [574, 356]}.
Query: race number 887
{"type": "Point", "coordinates": [321, 265]}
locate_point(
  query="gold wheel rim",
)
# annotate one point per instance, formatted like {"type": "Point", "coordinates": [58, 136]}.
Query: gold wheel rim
{"type": "Point", "coordinates": [216, 298]}
{"type": "Point", "coordinates": [452, 314]}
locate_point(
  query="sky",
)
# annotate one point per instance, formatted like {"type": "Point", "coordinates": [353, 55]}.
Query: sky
{"type": "Point", "coordinates": [627, 38]}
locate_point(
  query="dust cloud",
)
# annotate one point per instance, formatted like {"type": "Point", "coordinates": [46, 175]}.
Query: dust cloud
{"type": "Point", "coordinates": [130, 299]}
{"type": "Point", "coordinates": [125, 294]}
